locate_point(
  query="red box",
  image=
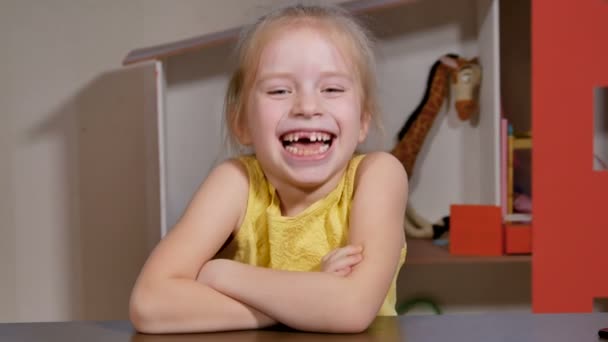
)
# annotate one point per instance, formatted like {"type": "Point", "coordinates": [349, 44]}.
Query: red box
{"type": "Point", "coordinates": [518, 238]}
{"type": "Point", "coordinates": [476, 230]}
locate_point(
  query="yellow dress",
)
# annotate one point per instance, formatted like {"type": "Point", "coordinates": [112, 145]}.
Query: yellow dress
{"type": "Point", "coordinates": [268, 239]}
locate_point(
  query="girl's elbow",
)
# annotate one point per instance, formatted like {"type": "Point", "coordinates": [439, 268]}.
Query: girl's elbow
{"type": "Point", "coordinates": [339, 324]}
{"type": "Point", "coordinates": [356, 322]}
{"type": "Point", "coordinates": [358, 315]}
{"type": "Point", "coordinates": [138, 320]}
{"type": "Point", "coordinates": [142, 313]}
{"type": "Point", "coordinates": [352, 319]}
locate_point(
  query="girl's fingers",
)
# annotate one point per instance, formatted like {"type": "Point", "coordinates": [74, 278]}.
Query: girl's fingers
{"type": "Point", "coordinates": [329, 255]}
{"type": "Point", "coordinates": [343, 272]}
{"type": "Point", "coordinates": [347, 261]}
{"type": "Point", "coordinates": [333, 252]}
{"type": "Point", "coordinates": [341, 258]}
{"type": "Point", "coordinates": [345, 251]}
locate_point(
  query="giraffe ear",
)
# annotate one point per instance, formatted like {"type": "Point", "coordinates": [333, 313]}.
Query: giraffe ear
{"type": "Point", "coordinates": [449, 61]}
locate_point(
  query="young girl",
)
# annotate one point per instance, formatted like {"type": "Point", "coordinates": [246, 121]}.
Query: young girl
{"type": "Point", "coordinates": [304, 232]}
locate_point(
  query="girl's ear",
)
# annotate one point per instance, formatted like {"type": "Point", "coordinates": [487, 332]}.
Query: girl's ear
{"type": "Point", "coordinates": [243, 136]}
{"type": "Point", "coordinates": [365, 120]}
{"type": "Point", "coordinates": [241, 132]}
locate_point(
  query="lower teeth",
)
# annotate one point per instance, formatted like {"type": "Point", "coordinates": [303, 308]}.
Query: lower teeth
{"type": "Point", "coordinates": [302, 152]}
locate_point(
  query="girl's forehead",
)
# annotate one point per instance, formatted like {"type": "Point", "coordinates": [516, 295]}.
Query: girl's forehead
{"type": "Point", "coordinates": [305, 42]}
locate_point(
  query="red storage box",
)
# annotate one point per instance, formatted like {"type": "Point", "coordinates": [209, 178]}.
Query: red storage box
{"type": "Point", "coordinates": [518, 238]}
{"type": "Point", "coordinates": [476, 230]}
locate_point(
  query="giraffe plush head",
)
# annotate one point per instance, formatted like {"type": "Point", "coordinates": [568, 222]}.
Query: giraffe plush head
{"type": "Point", "coordinates": [465, 79]}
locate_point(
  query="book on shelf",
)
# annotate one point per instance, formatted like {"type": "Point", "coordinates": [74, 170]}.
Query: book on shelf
{"type": "Point", "coordinates": [503, 165]}
{"type": "Point", "coordinates": [510, 142]}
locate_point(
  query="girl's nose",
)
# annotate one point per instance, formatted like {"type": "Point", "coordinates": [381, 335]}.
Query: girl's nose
{"type": "Point", "coordinates": [306, 104]}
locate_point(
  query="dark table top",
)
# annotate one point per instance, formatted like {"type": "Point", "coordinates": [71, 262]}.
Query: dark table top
{"type": "Point", "coordinates": [463, 327]}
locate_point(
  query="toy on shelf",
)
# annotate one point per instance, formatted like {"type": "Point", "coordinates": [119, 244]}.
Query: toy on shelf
{"type": "Point", "coordinates": [408, 305]}
{"type": "Point", "coordinates": [518, 198]}
{"type": "Point", "coordinates": [465, 77]}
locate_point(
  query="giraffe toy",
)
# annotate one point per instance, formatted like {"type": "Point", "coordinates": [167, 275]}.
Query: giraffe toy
{"type": "Point", "coordinates": [465, 77]}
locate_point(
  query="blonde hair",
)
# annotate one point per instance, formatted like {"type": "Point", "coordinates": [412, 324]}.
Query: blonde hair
{"type": "Point", "coordinates": [356, 43]}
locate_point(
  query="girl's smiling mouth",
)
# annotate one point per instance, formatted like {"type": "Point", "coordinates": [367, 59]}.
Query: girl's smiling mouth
{"type": "Point", "coordinates": [305, 144]}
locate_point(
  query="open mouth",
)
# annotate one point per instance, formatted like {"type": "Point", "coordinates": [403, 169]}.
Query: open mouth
{"type": "Point", "coordinates": [305, 143]}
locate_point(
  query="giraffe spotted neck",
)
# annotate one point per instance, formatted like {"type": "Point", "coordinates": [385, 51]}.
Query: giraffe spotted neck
{"type": "Point", "coordinates": [419, 124]}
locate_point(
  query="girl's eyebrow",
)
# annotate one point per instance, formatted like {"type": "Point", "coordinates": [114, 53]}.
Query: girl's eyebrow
{"type": "Point", "coordinates": [271, 75]}
{"type": "Point", "coordinates": [337, 74]}
{"type": "Point", "coordinates": [287, 75]}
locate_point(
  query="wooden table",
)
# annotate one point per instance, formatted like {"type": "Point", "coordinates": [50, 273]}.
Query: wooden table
{"type": "Point", "coordinates": [470, 328]}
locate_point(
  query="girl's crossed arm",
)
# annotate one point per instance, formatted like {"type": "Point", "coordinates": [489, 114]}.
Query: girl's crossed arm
{"type": "Point", "coordinates": [166, 297]}
{"type": "Point", "coordinates": [323, 301]}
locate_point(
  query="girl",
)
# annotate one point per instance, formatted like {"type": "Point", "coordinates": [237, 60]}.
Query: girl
{"type": "Point", "coordinates": [304, 232]}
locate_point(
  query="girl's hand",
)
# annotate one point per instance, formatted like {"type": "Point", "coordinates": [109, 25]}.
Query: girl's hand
{"type": "Point", "coordinates": [341, 261]}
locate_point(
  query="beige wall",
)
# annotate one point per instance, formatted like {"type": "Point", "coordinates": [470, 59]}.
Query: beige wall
{"type": "Point", "coordinates": [7, 232]}
{"type": "Point", "coordinates": [75, 161]}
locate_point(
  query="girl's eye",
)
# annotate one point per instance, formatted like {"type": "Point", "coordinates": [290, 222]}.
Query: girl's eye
{"type": "Point", "coordinates": [278, 92]}
{"type": "Point", "coordinates": [333, 90]}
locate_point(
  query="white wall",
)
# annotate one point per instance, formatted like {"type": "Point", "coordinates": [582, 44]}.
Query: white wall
{"type": "Point", "coordinates": [75, 160]}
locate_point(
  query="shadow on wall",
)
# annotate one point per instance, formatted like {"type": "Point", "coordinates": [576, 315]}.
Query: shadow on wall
{"type": "Point", "coordinates": [108, 133]}
{"type": "Point", "coordinates": [194, 121]}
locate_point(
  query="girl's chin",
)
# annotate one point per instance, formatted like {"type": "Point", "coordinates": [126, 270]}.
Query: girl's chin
{"type": "Point", "coordinates": [309, 181]}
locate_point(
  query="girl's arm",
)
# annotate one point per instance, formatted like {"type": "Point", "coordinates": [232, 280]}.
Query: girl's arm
{"type": "Point", "coordinates": [167, 297]}
{"type": "Point", "coordinates": [323, 301]}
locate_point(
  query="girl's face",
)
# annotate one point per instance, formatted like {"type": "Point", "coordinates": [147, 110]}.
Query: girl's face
{"type": "Point", "coordinates": [304, 115]}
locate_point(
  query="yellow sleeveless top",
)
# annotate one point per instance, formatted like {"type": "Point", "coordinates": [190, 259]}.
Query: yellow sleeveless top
{"type": "Point", "coordinates": [268, 239]}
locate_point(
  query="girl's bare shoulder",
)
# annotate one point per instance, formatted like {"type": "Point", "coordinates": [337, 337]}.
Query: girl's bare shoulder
{"type": "Point", "coordinates": [381, 167]}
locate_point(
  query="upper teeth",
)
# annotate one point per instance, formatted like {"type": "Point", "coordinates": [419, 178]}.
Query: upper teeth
{"type": "Point", "coordinates": [316, 136]}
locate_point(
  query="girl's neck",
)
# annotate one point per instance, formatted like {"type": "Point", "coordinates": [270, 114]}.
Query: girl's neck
{"type": "Point", "coordinates": [294, 200]}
